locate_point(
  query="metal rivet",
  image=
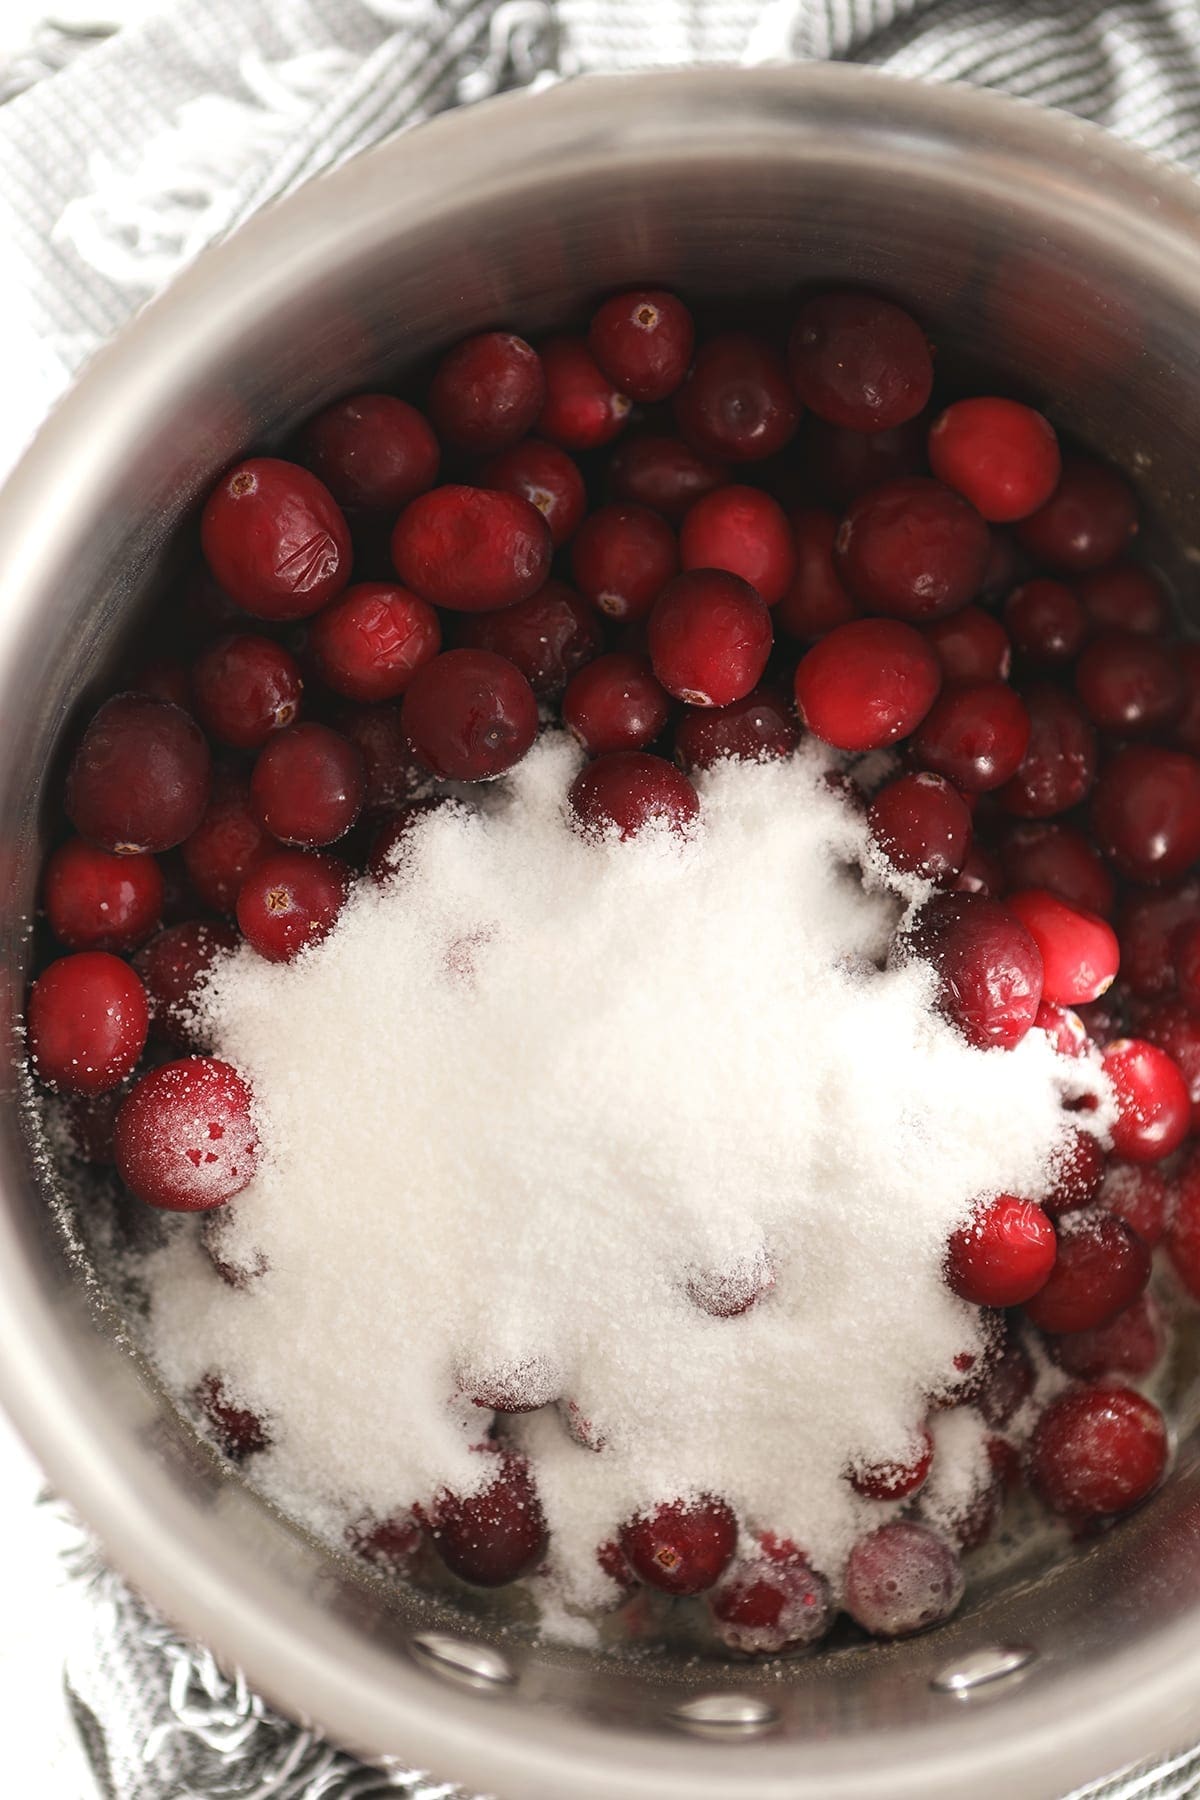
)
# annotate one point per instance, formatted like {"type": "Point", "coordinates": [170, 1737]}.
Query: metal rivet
{"type": "Point", "coordinates": [981, 1667]}
{"type": "Point", "coordinates": [459, 1660]}
{"type": "Point", "coordinates": [725, 1715]}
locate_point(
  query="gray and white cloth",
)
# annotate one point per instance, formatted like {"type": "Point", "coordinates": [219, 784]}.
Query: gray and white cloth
{"type": "Point", "coordinates": [123, 152]}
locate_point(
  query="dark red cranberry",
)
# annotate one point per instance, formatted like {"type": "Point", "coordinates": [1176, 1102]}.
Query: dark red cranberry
{"type": "Point", "coordinates": [1097, 1450]}
{"type": "Point", "coordinates": [1079, 949]}
{"type": "Point", "coordinates": [371, 451]}
{"type": "Point", "coordinates": [470, 715]}
{"type": "Point", "coordinates": [185, 1138]}
{"type": "Point", "coordinates": [139, 779]}
{"type": "Point", "coordinates": [1125, 597]}
{"type": "Point", "coordinates": [389, 1544]}
{"type": "Point", "coordinates": [1087, 522]}
{"type": "Point", "coordinates": [737, 402]}
{"type": "Point", "coordinates": [391, 769]}
{"type": "Point", "coordinates": [866, 684]}
{"type": "Point", "coordinates": [171, 966]}
{"type": "Point", "coordinates": [709, 637]}
{"type": "Point", "coordinates": [582, 409]}
{"type": "Point", "coordinates": [742, 530]}
{"type": "Point", "coordinates": [764, 1607]}
{"type": "Point", "coordinates": [1137, 1193]}
{"type": "Point", "coordinates": [980, 874]}
{"type": "Point", "coordinates": [845, 464]}
{"type": "Point", "coordinates": [975, 734]}
{"type": "Point", "coordinates": [1001, 455]}
{"type": "Point", "coordinates": [393, 831]}
{"type": "Point", "coordinates": [370, 642]}
{"type": "Point", "coordinates": [307, 785]}
{"type": "Point", "coordinates": [643, 342]}
{"type": "Point", "coordinates": [97, 901]}
{"type": "Point", "coordinates": [163, 678]}
{"type": "Point", "coordinates": [487, 392]}
{"type": "Point", "coordinates": [276, 539]}
{"type": "Point", "coordinates": [682, 1547]}
{"type": "Point", "coordinates": [1059, 763]}
{"type": "Point", "coordinates": [89, 1120]}
{"type": "Point", "coordinates": [1186, 732]}
{"type": "Point", "coordinates": [471, 549]}
{"type": "Point", "coordinates": [1146, 925]}
{"type": "Point", "coordinates": [894, 1480]}
{"type": "Point", "coordinates": [1173, 1026]}
{"type": "Point", "coordinates": [663, 473]}
{"type": "Point", "coordinates": [545, 476]}
{"type": "Point", "coordinates": [1185, 948]}
{"type": "Point", "coordinates": [1078, 1170]}
{"type": "Point", "coordinates": [752, 729]}
{"type": "Point", "coordinates": [923, 827]}
{"type": "Point", "coordinates": [1005, 566]}
{"type": "Point", "coordinates": [859, 361]}
{"type": "Point", "coordinates": [989, 968]}
{"type": "Point", "coordinates": [225, 846]}
{"type": "Point", "coordinates": [1047, 854]}
{"type": "Point", "coordinates": [245, 688]}
{"type": "Point", "coordinates": [628, 790]}
{"type": "Point", "coordinates": [548, 637]}
{"type": "Point", "coordinates": [1046, 621]}
{"type": "Point", "coordinates": [622, 558]}
{"type": "Point", "coordinates": [1102, 1267]}
{"type": "Point", "coordinates": [1131, 1344]}
{"type": "Point", "coordinates": [615, 703]}
{"type": "Point", "coordinates": [1154, 1107]}
{"type": "Point", "coordinates": [239, 1430]}
{"type": "Point", "coordinates": [816, 601]}
{"type": "Point", "coordinates": [1007, 1384]}
{"type": "Point", "coordinates": [289, 900]}
{"type": "Point", "coordinates": [902, 1578]}
{"type": "Point", "coordinates": [1146, 812]}
{"type": "Point", "coordinates": [86, 1021]}
{"type": "Point", "coordinates": [971, 646]}
{"type": "Point", "coordinates": [496, 1535]}
{"type": "Point", "coordinates": [912, 549]}
{"type": "Point", "coordinates": [1183, 1232]}
{"type": "Point", "coordinates": [1129, 684]}
{"type": "Point", "coordinates": [1003, 1256]}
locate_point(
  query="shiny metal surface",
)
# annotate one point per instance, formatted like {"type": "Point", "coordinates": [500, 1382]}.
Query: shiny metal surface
{"type": "Point", "coordinates": [1074, 265]}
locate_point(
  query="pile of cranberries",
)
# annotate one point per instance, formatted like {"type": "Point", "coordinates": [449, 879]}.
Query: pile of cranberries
{"type": "Point", "coordinates": [685, 546]}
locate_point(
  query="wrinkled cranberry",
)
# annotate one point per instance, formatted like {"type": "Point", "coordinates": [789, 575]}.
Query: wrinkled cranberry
{"type": "Point", "coordinates": [1059, 763]}
{"type": "Point", "coordinates": [371, 451]}
{"type": "Point", "coordinates": [764, 1607]}
{"type": "Point", "coordinates": [185, 1138]}
{"type": "Point", "coordinates": [139, 779]}
{"type": "Point", "coordinates": [866, 684]}
{"type": "Point", "coordinates": [902, 1578]}
{"type": "Point", "coordinates": [751, 729]}
{"type": "Point", "coordinates": [548, 637]}
{"type": "Point", "coordinates": [816, 601]}
{"type": "Point", "coordinates": [95, 900]}
{"type": "Point", "coordinates": [289, 900]}
{"type": "Point", "coordinates": [737, 402]}
{"type": "Point", "coordinates": [307, 786]}
{"type": "Point", "coordinates": [1102, 1267]}
{"type": "Point", "coordinates": [859, 361]}
{"type": "Point", "coordinates": [912, 549]}
{"type": "Point", "coordinates": [1131, 1344]}
{"type": "Point", "coordinates": [1002, 456]}
{"type": "Point", "coordinates": [1087, 522]}
{"type": "Point", "coordinates": [744, 531]}
{"type": "Point", "coordinates": [171, 966]}
{"type": "Point", "coordinates": [1129, 684]}
{"type": "Point", "coordinates": [1046, 622]}
{"type": "Point", "coordinates": [275, 539]}
{"type": "Point", "coordinates": [245, 687]}
{"type": "Point", "coordinates": [470, 715]}
{"type": "Point", "coordinates": [86, 1021]}
{"type": "Point", "coordinates": [922, 825]}
{"type": "Point", "coordinates": [370, 642]}
{"type": "Point", "coordinates": [1154, 1108]}
{"type": "Point", "coordinates": [682, 1547]}
{"type": "Point", "coordinates": [709, 637]}
{"type": "Point", "coordinates": [628, 790]}
{"type": "Point", "coordinates": [1048, 854]}
{"type": "Point", "coordinates": [643, 342]}
{"type": "Point", "coordinates": [496, 1535]}
{"type": "Point", "coordinates": [622, 558]}
{"type": "Point", "coordinates": [471, 549]}
{"type": "Point", "coordinates": [486, 392]}
{"type": "Point", "coordinates": [989, 968]}
{"type": "Point", "coordinates": [616, 703]}
{"type": "Point", "coordinates": [1124, 597]}
{"type": "Point", "coordinates": [663, 473]}
{"type": "Point", "coordinates": [545, 476]}
{"type": "Point", "coordinates": [1097, 1450]}
{"type": "Point", "coordinates": [582, 409]}
{"type": "Point", "coordinates": [971, 646]}
{"type": "Point", "coordinates": [896, 1479]}
{"type": "Point", "coordinates": [975, 734]}
{"type": "Point", "coordinates": [1003, 1256]}
{"type": "Point", "coordinates": [226, 844]}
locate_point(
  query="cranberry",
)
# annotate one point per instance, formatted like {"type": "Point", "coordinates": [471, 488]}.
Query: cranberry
{"type": "Point", "coordinates": [1129, 684]}
{"type": "Point", "coordinates": [275, 539]}
{"type": "Point", "coordinates": [682, 1547]}
{"type": "Point", "coordinates": [1186, 735]}
{"type": "Point", "coordinates": [1145, 926]}
{"type": "Point", "coordinates": [86, 1020]}
{"type": "Point", "coordinates": [548, 637]}
{"type": "Point", "coordinates": [389, 1544]}
{"type": "Point", "coordinates": [744, 531]}
{"type": "Point", "coordinates": [1059, 763]}
{"type": "Point", "coordinates": [971, 646]}
{"type": "Point", "coordinates": [394, 831]}
{"type": "Point", "coordinates": [1066, 1031]}
{"type": "Point", "coordinates": [622, 558]}
{"type": "Point", "coordinates": [239, 1431]}
{"type": "Point", "coordinates": [628, 790]}
{"type": "Point", "coordinates": [495, 1535]}
{"type": "Point", "coordinates": [545, 476]}
{"type": "Point", "coordinates": [1097, 1450]}
{"type": "Point", "coordinates": [1001, 455]}
{"type": "Point", "coordinates": [1183, 1233]}
{"type": "Point", "coordinates": [846, 463]}
{"type": "Point", "coordinates": [859, 361]}
{"type": "Point", "coordinates": [97, 901]}
{"type": "Point", "coordinates": [1046, 621]}
{"type": "Point", "coordinates": [1137, 1193]}
{"type": "Point", "coordinates": [307, 786]}
{"type": "Point", "coordinates": [752, 729]}
{"type": "Point", "coordinates": [737, 402]}
{"type": "Point", "coordinates": [923, 827]}
{"type": "Point", "coordinates": [989, 968]}
{"type": "Point", "coordinates": [816, 601]}
{"type": "Point", "coordinates": [245, 688]}
{"type": "Point", "coordinates": [237, 1265]}
{"type": "Point", "coordinates": [225, 845]}
{"type": "Point", "coordinates": [1003, 1256]}
{"type": "Point", "coordinates": [171, 966]}
{"type": "Point", "coordinates": [1172, 1026]}
{"type": "Point", "coordinates": [1154, 1108]}
{"type": "Point", "coordinates": [390, 767]}
{"type": "Point", "coordinates": [582, 409]}
{"type": "Point", "coordinates": [185, 1138]}
{"type": "Point", "coordinates": [894, 1480]}
{"type": "Point", "coordinates": [1079, 1170]}
{"type": "Point", "coordinates": [164, 679]}
{"type": "Point", "coordinates": [1047, 854]}
{"type": "Point", "coordinates": [913, 549]}
{"type": "Point", "coordinates": [471, 549]}
{"type": "Point", "coordinates": [763, 1608]}
{"type": "Point", "coordinates": [980, 874]}
{"type": "Point", "coordinates": [615, 703]}
{"type": "Point", "coordinates": [643, 342]}
{"type": "Point", "coordinates": [1102, 1267]}
{"type": "Point", "coordinates": [1079, 949]}
{"type": "Point", "coordinates": [470, 715]}
{"type": "Point", "coordinates": [866, 684]}
{"type": "Point", "coordinates": [1185, 946]}
{"type": "Point", "coordinates": [371, 451]}
{"type": "Point", "coordinates": [1131, 1344]}
{"type": "Point", "coordinates": [139, 779]}
{"type": "Point", "coordinates": [291, 899]}
{"type": "Point", "coordinates": [1006, 1386]}
{"type": "Point", "coordinates": [975, 734]}
{"type": "Point", "coordinates": [900, 1579]}
{"type": "Point", "coordinates": [370, 642]}
{"type": "Point", "coordinates": [709, 637]}
{"type": "Point", "coordinates": [663, 473]}
{"type": "Point", "coordinates": [1087, 522]}
{"type": "Point", "coordinates": [1124, 597]}
{"type": "Point", "coordinates": [487, 392]}
{"type": "Point", "coordinates": [730, 1291]}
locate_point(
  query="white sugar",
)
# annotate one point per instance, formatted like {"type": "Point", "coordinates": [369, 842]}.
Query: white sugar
{"type": "Point", "coordinates": [534, 1085]}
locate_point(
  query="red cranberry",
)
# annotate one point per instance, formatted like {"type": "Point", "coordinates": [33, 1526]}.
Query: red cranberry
{"type": "Point", "coordinates": [239, 1431]}
{"type": "Point", "coordinates": [164, 679]}
{"type": "Point", "coordinates": [752, 729]}
{"type": "Point", "coordinates": [744, 531]}
{"type": "Point", "coordinates": [1003, 1256]}
{"type": "Point", "coordinates": [545, 476]}
{"type": "Point", "coordinates": [1079, 1170]}
{"type": "Point", "coordinates": [643, 342]}
{"type": "Point", "coordinates": [976, 735]}
{"type": "Point", "coordinates": [245, 688]}
{"type": "Point", "coordinates": [371, 451]}
{"type": "Point", "coordinates": [900, 1579]}
{"type": "Point", "coordinates": [615, 703]}
{"type": "Point", "coordinates": [866, 684]}
{"type": "Point", "coordinates": [1131, 1344]}
{"type": "Point", "coordinates": [1065, 1029]}
{"type": "Point", "coordinates": [622, 558]}
{"type": "Point", "coordinates": [390, 767]}
{"type": "Point", "coordinates": [370, 642]}
{"type": "Point", "coordinates": [1124, 597]}
{"type": "Point", "coordinates": [496, 1535]}
{"type": "Point", "coordinates": [289, 900]}
{"type": "Point", "coordinates": [922, 826]}
{"type": "Point", "coordinates": [97, 901]}
{"type": "Point", "coordinates": [1079, 949]}
{"type": "Point", "coordinates": [663, 473]}
{"type": "Point", "coordinates": [225, 845]}
{"type": "Point", "coordinates": [971, 646]}
{"type": "Point", "coordinates": [1007, 1384]}
{"type": "Point", "coordinates": [709, 637]}
{"type": "Point", "coordinates": [307, 786]}
{"type": "Point", "coordinates": [1001, 455]}
{"type": "Point", "coordinates": [816, 601]}
{"type": "Point", "coordinates": [1185, 946]}
{"type": "Point", "coordinates": [582, 409]}
{"type": "Point", "coordinates": [171, 966]}
{"type": "Point", "coordinates": [1154, 1108]}
{"type": "Point", "coordinates": [894, 1480]}
{"type": "Point", "coordinates": [548, 637]}
{"type": "Point", "coordinates": [393, 832]}
{"type": "Point", "coordinates": [628, 790]}
{"type": "Point", "coordinates": [682, 1547]}
{"type": "Point", "coordinates": [989, 968]}
{"type": "Point", "coordinates": [1145, 926]}
{"type": "Point", "coordinates": [737, 403]}
{"type": "Point", "coordinates": [87, 1021]}
{"type": "Point", "coordinates": [1087, 522]}
{"type": "Point", "coordinates": [1059, 763]}
{"type": "Point", "coordinates": [389, 1544]}
{"type": "Point", "coordinates": [763, 1608]}
{"type": "Point", "coordinates": [1129, 684]}
{"type": "Point", "coordinates": [1137, 1193]}
{"type": "Point", "coordinates": [1172, 1026]}
{"type": "Point", "coordinates": [846, 463]}
{"type": "Point", "coordinates": [859, 361]}
{"type": "Point", "coordinates": [470, 715]}
{"type": "Point", "coordinates": [1183, 1233]}
{"type": "Point", "coordinates": [139, 780]}
{"type": "Point", "coordinates": [1102, 1267]}
{"type": "Point", "coordinates": [1186, 734]}
{"type": "Point", "coordinates": [275, 539]}
{"type": "Point", "coordinates": [980, 874]}
{"type": "Point", "coordinates": [185, 1138]}
{"type": "Point", "coordinates": [471, 549]}
{"type": "Point", "coordinates": [1046, 621]}
{"type": "Point", "coordinates": [1047, 854]}
{"type": "Point", "coordinates": [1097, 1450]}
{"type": "Point", "coordinates": [487, 392]}
{"type": "Point", "coordinates": [913, 549]}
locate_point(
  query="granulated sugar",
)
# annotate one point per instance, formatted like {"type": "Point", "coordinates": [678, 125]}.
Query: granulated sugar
{"type": "Point", "coordinates": [532, 1089]}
